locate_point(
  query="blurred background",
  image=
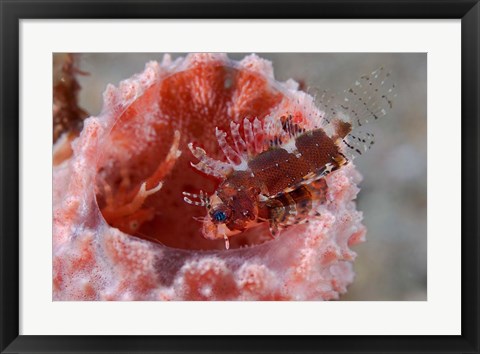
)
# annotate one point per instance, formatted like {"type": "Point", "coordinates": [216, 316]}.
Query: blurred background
{"type": "Point", "coordinates": [392, 263]}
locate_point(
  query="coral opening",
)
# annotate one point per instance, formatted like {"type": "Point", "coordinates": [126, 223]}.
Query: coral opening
{"type": "Point", "coordinates": [138, 191]}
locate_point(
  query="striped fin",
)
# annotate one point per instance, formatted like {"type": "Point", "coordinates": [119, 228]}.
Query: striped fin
{"type": "Point", "coordinates": [233, 156]}
{"type": "Point", "coordinates": [357, 143]}
{"type": "Point", "coordinates": [297, 206]}
{"type": "Point", "coordinates": [368, 99]}
{"type": "Point", "coordinates": [237, 154]}
{"type": "Point", "coordinates": [208, 165]}
{"type": "Point", "coordinates": [292, 129]}
{"type": "Point", "coordinates": [328, 103]}
{"type": "Point", "coordinates": [254, 136]}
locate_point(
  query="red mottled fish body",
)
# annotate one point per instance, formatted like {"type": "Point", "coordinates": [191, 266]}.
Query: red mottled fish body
{"type": "Point", "coordinates": [310, 154]}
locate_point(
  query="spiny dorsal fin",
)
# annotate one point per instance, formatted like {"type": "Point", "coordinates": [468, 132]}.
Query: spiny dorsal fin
{"type": "Point", "coordinates": [292, 129]}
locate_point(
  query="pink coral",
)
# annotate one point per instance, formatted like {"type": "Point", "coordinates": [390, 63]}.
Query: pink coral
{"type": "Point", "coordinates": [121, 229]}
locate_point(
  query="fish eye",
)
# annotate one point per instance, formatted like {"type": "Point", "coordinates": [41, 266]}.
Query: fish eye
{"type": "Point", "coordinates": [219, 216]}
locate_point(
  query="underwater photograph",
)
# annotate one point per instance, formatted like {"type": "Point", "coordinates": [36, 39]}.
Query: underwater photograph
{"type": "Point", "coordinates": [239, 176]}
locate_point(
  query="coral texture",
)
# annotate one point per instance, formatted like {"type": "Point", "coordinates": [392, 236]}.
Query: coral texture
{"type": "Point", "coordinates": [121, 230]}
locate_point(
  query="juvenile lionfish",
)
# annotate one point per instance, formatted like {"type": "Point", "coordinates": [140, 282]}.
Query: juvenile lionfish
{"type": "Point", "coordinates": [275, 172]}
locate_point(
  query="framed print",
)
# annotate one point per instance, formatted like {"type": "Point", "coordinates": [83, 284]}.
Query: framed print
{"type": "Point", "coordinates": [233, 177]}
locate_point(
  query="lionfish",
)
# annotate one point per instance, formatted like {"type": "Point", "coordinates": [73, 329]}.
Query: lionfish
{"type": "Point", "coordinates": [276, 172]}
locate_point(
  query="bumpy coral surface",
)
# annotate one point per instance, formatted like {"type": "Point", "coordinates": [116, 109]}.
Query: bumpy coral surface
{"type": "Point", "coordinates": [121, 228]}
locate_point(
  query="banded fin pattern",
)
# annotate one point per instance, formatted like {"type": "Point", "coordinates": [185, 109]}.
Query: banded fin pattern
{"type": "Point", "coordinates": [357, 143]}
{"type": "Point", "coordinates": [237, 156]}
{"type": "Point", "coordinates": [296, 206]}
{"type": "Point", "coordinates": [200, 199]}
{"type": "Point", "coordinates": [208, 165]}
{"type": "Point", "coordinates": [257, 138]}
{"type": "Point", "coordinates": [368, 99]}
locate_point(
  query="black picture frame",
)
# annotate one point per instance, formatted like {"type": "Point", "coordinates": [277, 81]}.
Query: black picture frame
{"type": "Point", "coordinates": [12, 11]}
